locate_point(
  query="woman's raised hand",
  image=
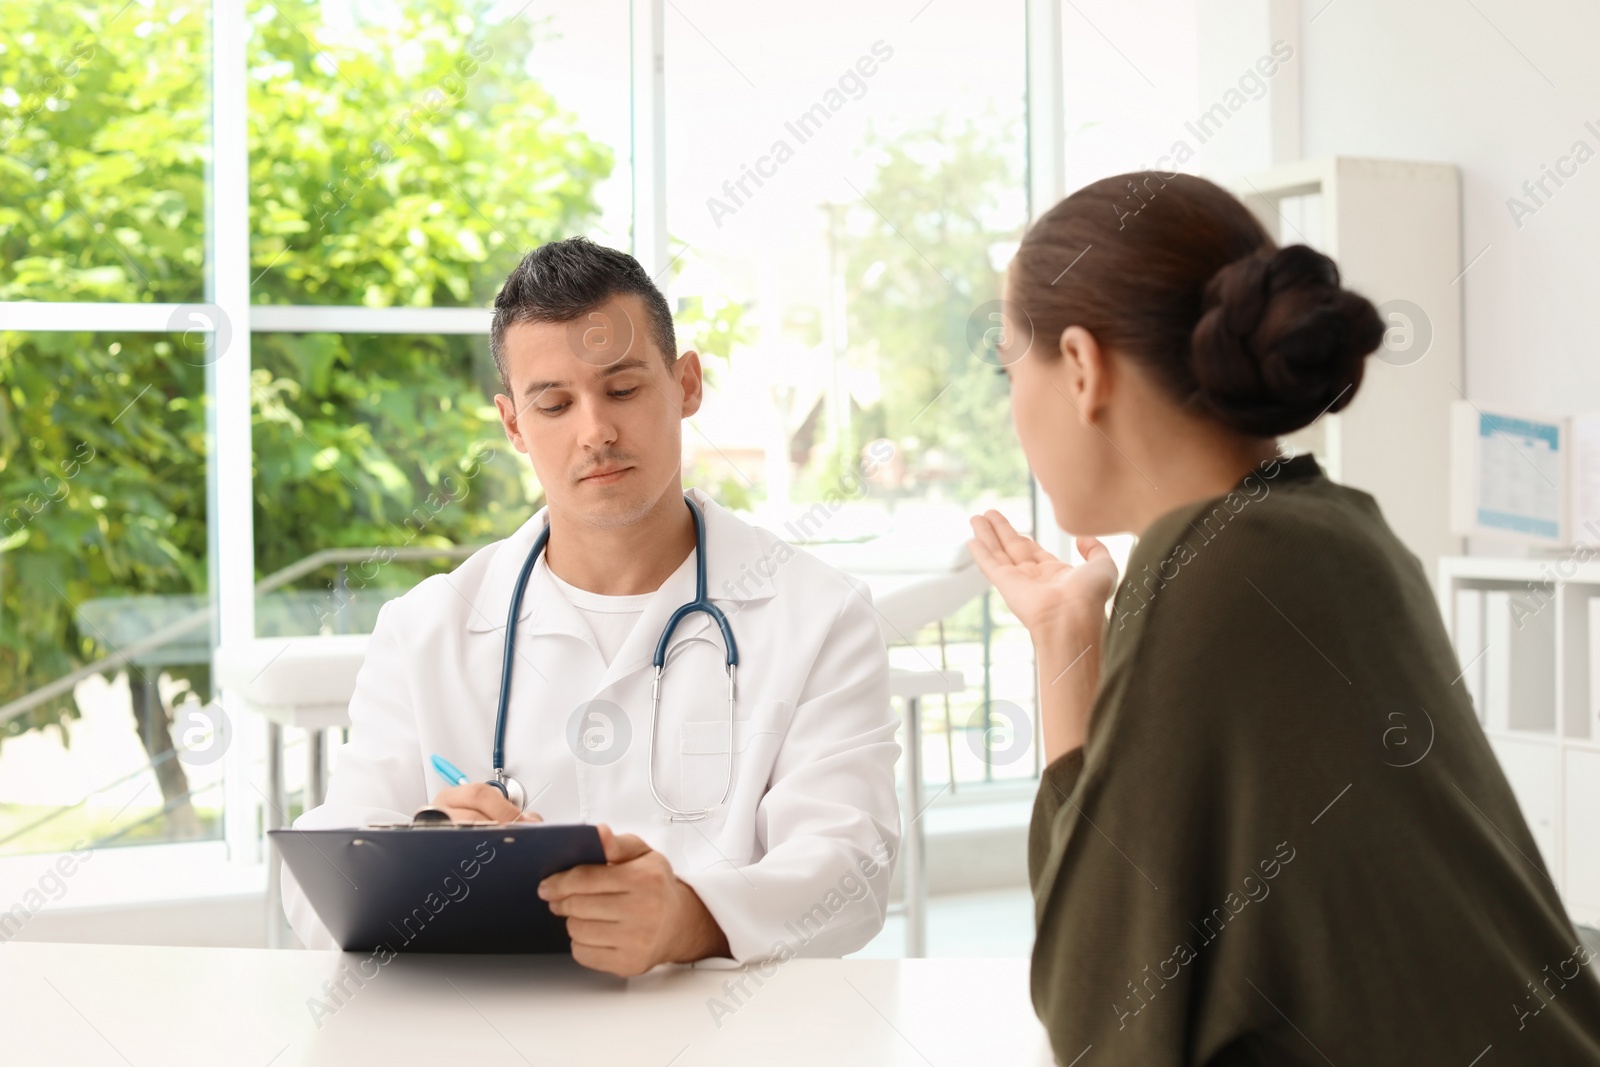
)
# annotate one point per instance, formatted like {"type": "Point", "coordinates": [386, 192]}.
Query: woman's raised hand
{"type": "Point", "coordinates": [1063, 606]}
{"type": "Point", "coordinates": [1049, 597]}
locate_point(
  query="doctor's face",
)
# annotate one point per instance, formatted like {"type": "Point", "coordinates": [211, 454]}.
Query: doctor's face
{"type": "Point", "coordinates": [599, 411]}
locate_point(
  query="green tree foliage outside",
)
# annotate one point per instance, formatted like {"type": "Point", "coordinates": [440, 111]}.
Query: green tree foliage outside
{"type": "Point", "coordinates": [409, 166]}
{"type": "Point", "coordinates": [917, 272]}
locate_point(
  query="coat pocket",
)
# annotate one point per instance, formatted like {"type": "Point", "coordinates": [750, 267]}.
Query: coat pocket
{"type": "Point", "coordinates": [706, 754]}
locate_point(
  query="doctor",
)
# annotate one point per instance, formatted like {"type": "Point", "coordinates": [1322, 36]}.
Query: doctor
{"type": "Point", "coordinates": [793, 853]}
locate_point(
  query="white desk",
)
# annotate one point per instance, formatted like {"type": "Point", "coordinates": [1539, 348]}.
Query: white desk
{"type": "Point", "coordinates": [67, 1004]}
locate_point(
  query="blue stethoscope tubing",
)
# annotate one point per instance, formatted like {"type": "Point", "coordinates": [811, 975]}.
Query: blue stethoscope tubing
{"type": "Point", "coordinates": [701, 603]}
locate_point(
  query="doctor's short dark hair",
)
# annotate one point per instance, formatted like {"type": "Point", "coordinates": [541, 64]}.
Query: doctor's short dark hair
{"type": "Point", "coordinates": [565, 280]}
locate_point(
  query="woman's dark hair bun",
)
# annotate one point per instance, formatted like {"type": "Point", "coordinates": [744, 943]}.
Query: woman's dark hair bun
{"type": "Point", "coordinates": [1279, 342]}
{"type": "Point", "coordinates": [1182, 279]}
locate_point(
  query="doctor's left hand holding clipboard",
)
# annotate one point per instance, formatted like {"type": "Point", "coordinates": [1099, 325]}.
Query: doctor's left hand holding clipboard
{"type": "Point", "coordinates": [466, 884]}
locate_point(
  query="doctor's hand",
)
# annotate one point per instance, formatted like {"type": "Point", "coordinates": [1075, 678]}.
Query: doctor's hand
{"type": "Point", "coordinates": [632, 913]}
{"type": "Point", "coordinates": [1063, 607]}
{"type": "Point", "coordinates": [479, 802]}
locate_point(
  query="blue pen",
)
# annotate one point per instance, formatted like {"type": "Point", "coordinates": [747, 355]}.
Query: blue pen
{"type": "Point", "coordinates": [449, 771]}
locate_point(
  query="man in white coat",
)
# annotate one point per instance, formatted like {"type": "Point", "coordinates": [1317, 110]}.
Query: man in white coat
{"type": "Point", "coordinates": [797, 860]}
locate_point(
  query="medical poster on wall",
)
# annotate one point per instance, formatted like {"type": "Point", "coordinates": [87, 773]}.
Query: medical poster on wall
{"type": "Point", "coordinates": [1515, 475]}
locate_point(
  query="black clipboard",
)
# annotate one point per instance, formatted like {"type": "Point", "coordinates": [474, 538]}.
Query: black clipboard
{"type": "Point", "coordinates": [455, 888]}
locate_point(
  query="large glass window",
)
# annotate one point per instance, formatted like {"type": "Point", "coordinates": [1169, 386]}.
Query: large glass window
{"type": "Point", "coordinates": [838, 246]}
{"type": "Point", "coordinates": [379, 460]}
{"type": "Point", "coordinates": [406, 153]}
{"type": "Point", "coordinates": [105, 628]}
{"type": "Point", "coordinates": [835, 248]}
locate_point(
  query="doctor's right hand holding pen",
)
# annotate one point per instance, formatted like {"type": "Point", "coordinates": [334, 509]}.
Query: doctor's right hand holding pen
{"type": "Point", "coordinates": [1063, 608]}
{"type": "Point", "coordinates": [469, 801]}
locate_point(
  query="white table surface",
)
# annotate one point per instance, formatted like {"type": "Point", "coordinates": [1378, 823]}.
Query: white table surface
{"type": "Point", "coordinates": [70, 1004]}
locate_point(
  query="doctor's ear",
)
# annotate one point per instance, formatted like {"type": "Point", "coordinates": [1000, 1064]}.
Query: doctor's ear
{"type": "Point", "coordinates": [509, 419]}
{"type": "Point", "coordinates": [691, 379]}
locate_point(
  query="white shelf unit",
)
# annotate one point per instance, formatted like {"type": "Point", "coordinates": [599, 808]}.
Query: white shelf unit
{"type": "Point", "coordinates": [1394, 228]}
{"type": "Point", "coordinates": [1548, 737]}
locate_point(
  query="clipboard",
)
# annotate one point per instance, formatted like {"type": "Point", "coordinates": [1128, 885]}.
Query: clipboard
{"type": "Point", "coordinates": [463, 887]}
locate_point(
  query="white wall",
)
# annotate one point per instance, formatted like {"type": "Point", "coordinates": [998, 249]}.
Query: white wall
{"type": "Point", "coordinates": [1499, 88]}
{"type": "Point", "coordinates": [1129, 81]}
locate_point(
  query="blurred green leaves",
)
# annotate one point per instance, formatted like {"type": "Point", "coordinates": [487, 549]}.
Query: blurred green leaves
{"type": "Point", "coordinates": [920, 257]}
{"type": "Point", "coordinates": [412, 169]}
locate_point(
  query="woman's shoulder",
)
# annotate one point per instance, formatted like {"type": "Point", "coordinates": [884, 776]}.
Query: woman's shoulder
{"type": "Point", "coordinates": [1261, 619]}
{"type": "Point", "coordinates": [1284, 527]}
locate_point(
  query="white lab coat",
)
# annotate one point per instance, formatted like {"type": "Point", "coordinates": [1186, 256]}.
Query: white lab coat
{"type": "Point", "coordinates": [793, 863]}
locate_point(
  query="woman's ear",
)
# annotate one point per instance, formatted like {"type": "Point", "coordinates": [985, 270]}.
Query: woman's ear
{"type": "Point", "coordinates": [1086, 375]}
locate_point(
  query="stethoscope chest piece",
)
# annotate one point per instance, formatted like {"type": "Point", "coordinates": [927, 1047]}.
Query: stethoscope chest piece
{"type": "Point", "coordinates": [510, 788]}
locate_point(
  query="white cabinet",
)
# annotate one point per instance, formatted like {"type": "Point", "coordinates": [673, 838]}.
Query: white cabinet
{"type": "Point", "coordinates": [1581, 817]}
{"type": "Point", "coordinates": [1544, 730]}
{"type": "Point", "coordinates": [1533, 767]}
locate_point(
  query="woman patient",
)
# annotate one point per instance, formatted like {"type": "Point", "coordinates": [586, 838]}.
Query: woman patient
{"type": "Point", "coordinates": [1271, 830]}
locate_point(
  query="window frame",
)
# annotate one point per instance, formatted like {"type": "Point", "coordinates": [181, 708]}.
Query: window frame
{"type": "Point", "coordinates": [229, 456]}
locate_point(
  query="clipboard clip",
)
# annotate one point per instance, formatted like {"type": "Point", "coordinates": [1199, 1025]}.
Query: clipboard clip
{"type": "Point", "coordinates": [428, 818]}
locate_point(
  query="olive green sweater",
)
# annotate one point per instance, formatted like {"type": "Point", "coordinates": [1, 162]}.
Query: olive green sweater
{"type": "Point", "coordinates": [1287, 840]}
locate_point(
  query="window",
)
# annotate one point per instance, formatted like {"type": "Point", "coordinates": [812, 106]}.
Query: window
{"type": "Point", "coordinates": [103, 543]}
{"type": "Point", "coordinates": [836, 252]}
{"type": "Point", "coordinates": [402, 154]}
{"type": "Point", "coordinates": [248, 266]}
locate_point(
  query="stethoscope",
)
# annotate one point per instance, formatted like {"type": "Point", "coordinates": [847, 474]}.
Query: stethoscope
{"type": "Point", "coordinates": [512, 789]}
